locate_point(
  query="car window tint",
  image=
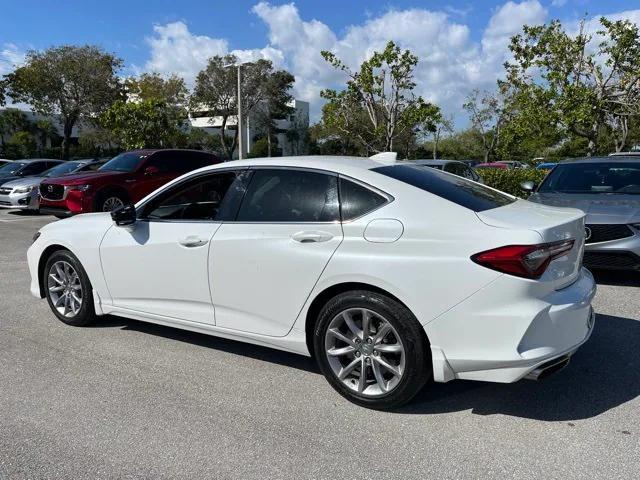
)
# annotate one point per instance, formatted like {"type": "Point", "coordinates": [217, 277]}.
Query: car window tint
{"type": "Point", "coordinates": [201, 198]}
{"type": "Point", "coordinates": [178, 162]}
{"type": "Point", "coordinates": [357, 200]}
{"type": "Point", "coordinates": [455, 189]}
{"type": "Point", "coordinates": [34, 168]}
{"type": "Point", "coordinates": [280, 195]}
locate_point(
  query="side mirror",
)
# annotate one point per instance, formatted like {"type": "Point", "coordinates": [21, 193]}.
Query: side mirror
{"type": "Point", "coordinates": [151, 170]}
{"type": "Point", "coordinates": [528, 186]}
{"type": "Point", "coordinates": [125, 215]}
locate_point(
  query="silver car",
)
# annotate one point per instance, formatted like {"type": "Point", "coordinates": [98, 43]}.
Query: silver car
{"type": "Point", "coordinates": [607, 189]}
{"type": "Point", "coordinates": [23, 192]}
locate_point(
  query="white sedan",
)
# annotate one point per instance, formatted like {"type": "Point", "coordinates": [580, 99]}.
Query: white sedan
{"type": "Point", "coordinates": [387, 273]}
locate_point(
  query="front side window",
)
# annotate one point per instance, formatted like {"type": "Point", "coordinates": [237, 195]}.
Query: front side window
{"type": "Point", "coordinates": [281, 195]}
{"type": "Point", "coordinates": [592, 177]}
{"type": "Point", "coordinates": [454, 189]}
{"type": "Point", "coordinates": [357, 200]}
{"type": "Point", "coordinates": [204, 198]}
{"type": "Point", "coordinates": [125, 162]}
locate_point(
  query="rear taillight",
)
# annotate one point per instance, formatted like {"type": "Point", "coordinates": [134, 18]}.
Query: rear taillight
{"type": "Point", "coordinates": [528, 261]}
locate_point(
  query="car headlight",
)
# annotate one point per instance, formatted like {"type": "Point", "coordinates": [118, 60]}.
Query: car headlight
{"type": "Point", "coordinates": [23, 189]}
{"type": "Point", "coordinates": [80, 188]}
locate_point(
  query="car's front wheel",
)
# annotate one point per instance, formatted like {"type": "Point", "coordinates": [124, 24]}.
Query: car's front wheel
{"type": "Point", "coordinates": [371, 349]}
{"type": "Point", "coordinates": [68, 289]}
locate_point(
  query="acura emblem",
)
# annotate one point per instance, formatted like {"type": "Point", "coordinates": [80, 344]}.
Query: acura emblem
{"type": "Point", "coordinates": [587, 233]}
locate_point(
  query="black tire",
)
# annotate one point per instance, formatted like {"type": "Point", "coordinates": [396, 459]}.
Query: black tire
{"type": "Point", "coordinates": [86, 314]}
{"type": "Point", "coordinates": [104, 197]}
{"type": "Point", "coordinates": [418, 369]}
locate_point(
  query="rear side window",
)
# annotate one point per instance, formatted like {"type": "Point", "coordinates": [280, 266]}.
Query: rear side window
{"type": "Point", "coordinates": [356, 200]}
{"type": "Point", "coordinates": [281, 195]}
{"type": "Point", "coordinates": [178, 162]}
{"type": "Point", "coordinates": [455, 189]}
{"type": "Point", "coordinates": [35, 168]}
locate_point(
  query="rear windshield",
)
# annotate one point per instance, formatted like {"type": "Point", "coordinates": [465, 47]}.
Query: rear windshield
{"type": "Point", "coordinates": [12, 167]}
{"type": "Point", "coordinates": [604, 178]}
{"type": "Point", "coordinates": [125, 162]}
{"type": "Point", "coordinates": [456, 189]}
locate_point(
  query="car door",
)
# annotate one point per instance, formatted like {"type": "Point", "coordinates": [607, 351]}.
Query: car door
{"type": "Point", "coordinates": [159, 265]}
{"type": "Point", "coordinates": [265, 264]}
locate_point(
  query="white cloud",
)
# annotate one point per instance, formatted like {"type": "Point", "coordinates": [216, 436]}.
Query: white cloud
{"type": "Point", "coordinates": [558, 3]}
{"type": "Point", "coordinates": [11, 56]}
{"type": "Point", "coordinates": [451, 62]}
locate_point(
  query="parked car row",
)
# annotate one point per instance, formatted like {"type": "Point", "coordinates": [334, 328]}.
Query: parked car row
{"type": "Point", "coordinates": [80, 186]}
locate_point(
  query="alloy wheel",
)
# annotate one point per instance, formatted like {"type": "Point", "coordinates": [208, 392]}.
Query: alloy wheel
{"type": "Point", "coordinates": [65, 289]}
{"type": "Point", "coordinates": [111, 203]}
{"type": "Point", "coordinates": [365, 352]}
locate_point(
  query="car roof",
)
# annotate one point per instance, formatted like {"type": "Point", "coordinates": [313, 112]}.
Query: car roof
{"type": "Point", "coordinates": [30, 160]}
{"type": "Point", "coordinates": [612, 159]}
{"type": "Point", "coordinates": [338, 164]}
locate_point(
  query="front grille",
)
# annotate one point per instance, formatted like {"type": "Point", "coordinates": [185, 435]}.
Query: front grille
{"type": "Point", "coordinates": [612, 260]}
{"type": "Point", "coordinates": [605, 232]}
{"type": "Point", "coordinates": [5, 191]}
{"type": "Point", "coordinates": [52, 191]}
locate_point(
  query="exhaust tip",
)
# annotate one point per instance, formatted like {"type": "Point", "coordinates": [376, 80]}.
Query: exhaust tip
{"type": "Point", "coordinates": [549, 368]}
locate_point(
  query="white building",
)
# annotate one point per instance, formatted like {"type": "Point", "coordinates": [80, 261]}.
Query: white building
{"type": "Point", "coordinates": [290, 131]}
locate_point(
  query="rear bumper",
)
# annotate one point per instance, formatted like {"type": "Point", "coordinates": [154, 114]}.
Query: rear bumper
{"type": "Point", "coordinates": [485, 338]}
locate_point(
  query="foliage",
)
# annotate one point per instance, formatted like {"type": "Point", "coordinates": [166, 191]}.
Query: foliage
{"type": "Point", "coordinates": [215, 91]}
{"type": "Point", "coordinates": [509, 180]}
{"type": "Point", "coordinates": [152, 86]}
{"type": "Point", "coordinates": [199, 139]}
{"type": "Point", "coordinates": [378, 104]}
{"type": "Point", "coordinates": [488, 112]}
{"type": "Point", "coordinates": [144, 124]}
{"type": "Point", "coordinates": [20, 145]}
{"type": "Point", "coordinates": [74, 81]}
{"type": "Point", "coordinates": [576, 85]}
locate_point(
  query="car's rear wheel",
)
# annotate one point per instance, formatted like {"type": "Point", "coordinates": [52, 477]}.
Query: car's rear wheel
{"type": "Point", "coordinates": [371, 349]}
{"type": "Point", "coordinates": [68, 289]}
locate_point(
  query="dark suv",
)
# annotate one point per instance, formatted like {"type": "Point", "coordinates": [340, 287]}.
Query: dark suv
{"type": "Point", "coordinates": [124, 179]}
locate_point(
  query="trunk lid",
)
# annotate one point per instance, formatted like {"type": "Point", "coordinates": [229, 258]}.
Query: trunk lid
{"type": "Point", "coordinates": [553, 224]}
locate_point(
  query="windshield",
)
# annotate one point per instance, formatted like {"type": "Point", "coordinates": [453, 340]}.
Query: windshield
{"type": "Point", "coordinates": [458, 190]}
{"type": "Point", "coordinates": [125, 162]}
{"type": "Point", "coordinates": [66, 167]}
{"type": "Point", "coordinates": [11, 167]}
{"type": "Point", "coordinates": [605, 177]}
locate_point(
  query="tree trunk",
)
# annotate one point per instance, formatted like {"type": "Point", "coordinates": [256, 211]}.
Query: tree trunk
{"type": "Point", "coordinates": [486, 156]}
{"type": "Point", "coordinates": [269, 142]}
{"type": "Point", "coordinates": [436, 138]}
{"type": "Point", "coordinates": [66, 139]}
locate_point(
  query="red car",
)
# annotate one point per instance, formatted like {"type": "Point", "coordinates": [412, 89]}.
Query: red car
{"type": "Point", "coordinates": [498, 165]}
{"type": "Point", "coordinates": [124, 179]}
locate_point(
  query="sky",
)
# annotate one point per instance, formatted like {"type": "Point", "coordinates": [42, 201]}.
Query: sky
{"type": "Point", "coordinates": [461, 45]}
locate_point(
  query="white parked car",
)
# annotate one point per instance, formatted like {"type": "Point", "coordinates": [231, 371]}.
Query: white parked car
{"type": "Point", "coordinates": [388, 274]}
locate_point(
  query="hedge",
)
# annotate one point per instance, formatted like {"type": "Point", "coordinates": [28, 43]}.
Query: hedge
{"type": "Point", "coordinates": [509, 180]}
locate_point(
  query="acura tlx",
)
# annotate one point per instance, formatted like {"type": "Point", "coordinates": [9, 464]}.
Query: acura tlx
{"type": "Point", "coordinates": [390, 275]}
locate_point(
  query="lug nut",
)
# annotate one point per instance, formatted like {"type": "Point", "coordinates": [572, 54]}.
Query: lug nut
{"type": "Point", "coordinates": [369, 341]}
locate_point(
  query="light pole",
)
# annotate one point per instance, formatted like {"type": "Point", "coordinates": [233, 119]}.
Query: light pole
{"type": "Point", "coordinates": [239, 100]}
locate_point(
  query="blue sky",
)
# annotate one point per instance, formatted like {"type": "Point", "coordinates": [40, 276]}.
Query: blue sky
{"type": "Point", "coordinates": [461, 44]}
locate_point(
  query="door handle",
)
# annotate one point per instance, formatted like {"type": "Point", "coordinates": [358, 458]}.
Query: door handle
{"type": "Point", "coordinates": [312, 236]}
{"type": "Point", "coordinates": [193, 241]}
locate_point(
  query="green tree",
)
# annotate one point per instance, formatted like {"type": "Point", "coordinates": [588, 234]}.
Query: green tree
{"type": "Point", "coordinates": [152, 86]}
{"type": "Point", "coordinates": [215, 92]}
{"type": "Point", "coordinates": [580, 85]}
{"type": "Point", "coordinates": [76, 82]}
{"type": "Point", "coordinates": [488, 112]}
{"type": "Point", "coordinates": [382, 90]}
{"type": "Point", "coordinates": [12, 121]}
{"type": "Point", "coordinates": [143, 124]}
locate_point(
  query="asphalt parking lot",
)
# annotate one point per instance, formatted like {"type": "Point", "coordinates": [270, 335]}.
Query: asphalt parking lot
{"type": "Point", "coordinates": [124, 399]}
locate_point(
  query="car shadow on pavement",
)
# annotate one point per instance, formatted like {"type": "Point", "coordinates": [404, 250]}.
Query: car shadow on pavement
{"type": "Point", "coordinates": [603, 374]}
{"type": "Point", "coordinates": [616, 278]}
{"type": "Point", "coordinates": [208, 341]}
